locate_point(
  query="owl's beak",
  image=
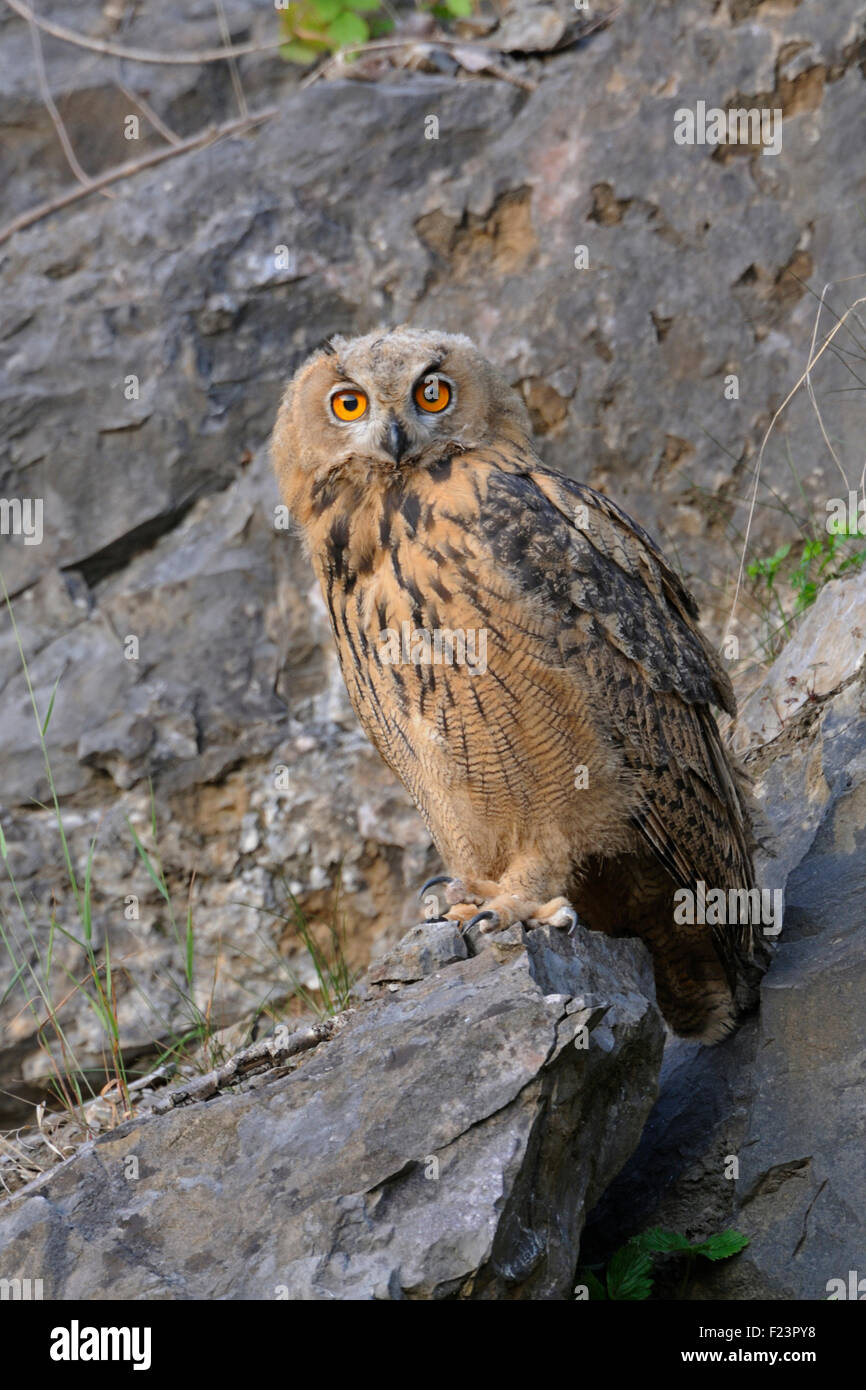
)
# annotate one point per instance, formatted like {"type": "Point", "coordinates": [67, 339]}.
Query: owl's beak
{"type": "Point", "coordinates": [396, 439]}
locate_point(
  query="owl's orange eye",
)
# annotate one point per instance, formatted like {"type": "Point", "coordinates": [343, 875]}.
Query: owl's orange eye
{"type": "Point", "coordinates": [349, 405]}
{"type": "Point", "coordinates": [432, 393]}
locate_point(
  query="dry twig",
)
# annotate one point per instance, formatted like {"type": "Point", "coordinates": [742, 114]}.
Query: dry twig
{"type": "Point", "coordinates": [125, 171]}
{"type": "Point", "coordinates": [814, 357]}
{"type": "Point", "coordinates": [240, 96]}
{"type": "Point", "coordinates": [147, 110]}
{"type": "Point", "coordinates": [56, 118]}
{"type": "Point", "coordinates": [140, 55]}
{"type": "Point", "coordinates": [269, 1054]}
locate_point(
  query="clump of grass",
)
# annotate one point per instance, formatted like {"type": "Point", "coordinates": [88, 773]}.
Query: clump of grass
{"type": "Point", "coordinates": [197, 1037]}
{"type": "Point", "coordinates": [96, 983]}
{"type": "Point", "coordinates": [824, 551]}
{"type": "Point", "coordinates": [805, 567]}
{"type": "Point", "coordinates": [96, 1102]}
{"type": "Point", "coordinates": [34, 965]}
{"type": "Point", "coordinates": [335, 977]}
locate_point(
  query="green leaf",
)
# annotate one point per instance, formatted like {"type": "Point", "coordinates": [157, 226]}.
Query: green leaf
{"type": "Point", "coordinates": [365, 6]}
{"type": "Point", "coordinates": [347, 28]}
{"type": "Point", "coordinates": [856, 559]}
{"type": "Point", "coordinates": [808, 593]}
{"type": "Point", "coordinates": [326, 10]}
{"type": "Point", "coordinates": [722, 1246]}
{"type": "Point", "coordinates": [297, 52]}
{"type": "Point", "coordinates": [629, 1275]}
{"type": "Point", "coordinates": [3, 849]}
{"type": "Point", "coordinates": [594, 1287]}
{"type": "Point", "coordinates": [460, 9]}
{"type": "Point", "coordinates": [656, 1241]}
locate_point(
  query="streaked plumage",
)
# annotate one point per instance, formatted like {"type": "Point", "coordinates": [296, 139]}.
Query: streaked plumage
{"type": "Point", "coordinates": [583, 765]}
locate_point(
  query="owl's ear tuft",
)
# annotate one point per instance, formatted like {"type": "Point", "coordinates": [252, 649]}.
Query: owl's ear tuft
{"type": "Point", "coordinates": [327, 347]}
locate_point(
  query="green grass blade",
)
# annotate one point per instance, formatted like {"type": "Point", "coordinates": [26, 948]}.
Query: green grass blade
{"type": "Point", "coordinates": [146, 860]}
{"type": "Point", "coordinates": [47, 719]}
{"type": "Point", "coordinates": [88, 905]}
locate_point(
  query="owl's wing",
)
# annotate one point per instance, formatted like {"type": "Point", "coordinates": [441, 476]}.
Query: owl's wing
{"type": "Point", "coordinates": [628, 627]}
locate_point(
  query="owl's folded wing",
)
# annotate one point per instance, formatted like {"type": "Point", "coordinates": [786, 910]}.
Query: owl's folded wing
{"type": "Point", "coordinates": [628, 627]}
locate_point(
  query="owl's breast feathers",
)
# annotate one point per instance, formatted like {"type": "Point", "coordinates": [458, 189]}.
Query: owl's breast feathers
{"type": "Point", "coordinates": [580, 651]}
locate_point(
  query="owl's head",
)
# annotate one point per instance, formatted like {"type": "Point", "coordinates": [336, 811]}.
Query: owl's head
{"type": "Point", "coordinates": [385, 403]}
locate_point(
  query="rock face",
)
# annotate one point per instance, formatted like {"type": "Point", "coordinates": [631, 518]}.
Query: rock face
{"type": "Point", "coordinates": [784, 1097]}
{"type": "Point", "coordinates": [445, 1143]}
{"type": "Point", "coordinates": [146, 339]}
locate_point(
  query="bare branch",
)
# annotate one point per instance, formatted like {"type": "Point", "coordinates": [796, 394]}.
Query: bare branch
{"type": "Point", "coordinates": [268, 1055]}
{"type": "Point", "coordinates": [240, 96]}
{"type": "Point", "coordinates": [140, 55]}
{"type": "Point", "coordinates": [45, 93]}
{"type": "Point", "coordinates": [125, 171]}
{"type": "Point", "coordinates": [217, 55]}
{"type": "Point", "coordinates": [484, 50]}
{"type": "Point", "coordinates": [147, 110]}
{"type": "Point", "coordinates": [814, 357]}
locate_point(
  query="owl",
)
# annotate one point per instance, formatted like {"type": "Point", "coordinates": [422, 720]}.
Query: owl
{"type": "Point", "coordinates": [524, 659]}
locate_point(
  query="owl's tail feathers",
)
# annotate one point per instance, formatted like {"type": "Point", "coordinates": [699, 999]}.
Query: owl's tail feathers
{"type": "Point", "coordinates": [707, 978]}
{"type": "Point", "coordinates": [744, 945]}
{"type": "Point", "coordinates": [745, 953]}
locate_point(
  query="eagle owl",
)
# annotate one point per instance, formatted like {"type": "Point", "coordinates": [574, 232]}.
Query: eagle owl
{"type": "Point", "coordinates": [523, 657]}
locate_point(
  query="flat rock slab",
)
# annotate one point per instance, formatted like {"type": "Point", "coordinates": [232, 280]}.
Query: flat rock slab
{"type": "Point", "coordinates": [446, 1143]}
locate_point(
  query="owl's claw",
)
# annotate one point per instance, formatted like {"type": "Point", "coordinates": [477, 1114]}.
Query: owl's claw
{"type": "Point", "coordinates": [489, 918]}
{"type": "Point", "coordinates": [437, 878]}
{"type": "Point", "coordinates": [453, 893]}
{"type": "Point", "coordinates": [564, 917]}
{"type": "Point", "coordinates": [436, 904]}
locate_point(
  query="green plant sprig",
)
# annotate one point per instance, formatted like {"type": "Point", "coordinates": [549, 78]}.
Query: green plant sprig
{"type": "Point", "coordinates": [629, 1274]}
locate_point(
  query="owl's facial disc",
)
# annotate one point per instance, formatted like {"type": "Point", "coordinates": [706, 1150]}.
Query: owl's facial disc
{"type": "Point", "coordinates": [393, 424]}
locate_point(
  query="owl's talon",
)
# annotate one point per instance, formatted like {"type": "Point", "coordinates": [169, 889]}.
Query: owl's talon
{"type": "Point", "coordinates": [491, 917]}
{"type": "Point", "coordinates": [437, 878]}
{"type": "Point", "coordinates": [565, 917]}
{"type": "Point", "coordinates": [448, 893]}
